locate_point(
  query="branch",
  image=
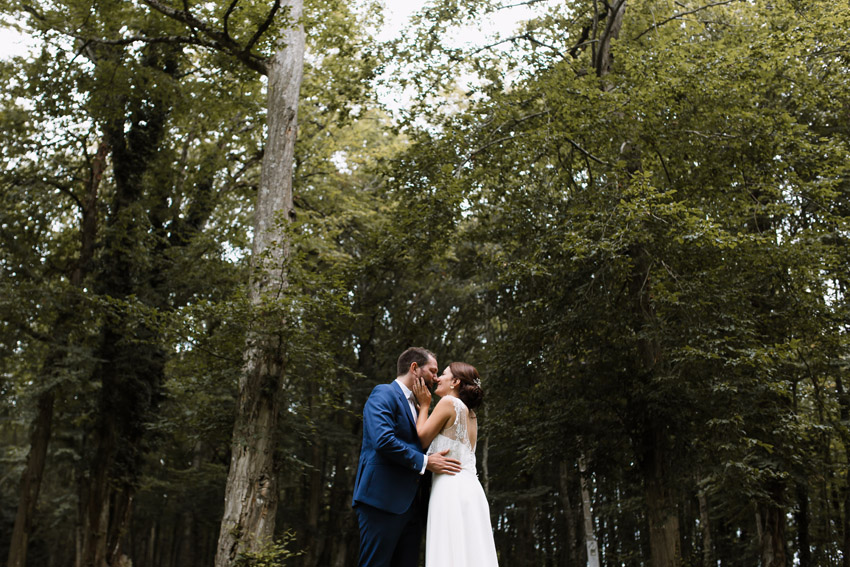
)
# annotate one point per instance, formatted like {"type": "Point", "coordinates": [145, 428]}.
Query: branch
{"type": "Point", "coordinates": [511, 136]}
{"type": "Point", "coordinates": [217, 40]}
{"type": "Point", "coordinates": [489, 144]}
{"type": "Point", "coordinates": [67, 191]}
{"type": "Point", "coordinates": [664, 166]}
{"type": "Point", "coordinates": [227, 16]}
{"type": "Point", "coordinates": [586, 153]}
{"type": "Point", "coordinates": [500, 42]}
{"type": "Point", "coordinates": [176, 39]}
{"type": "Point", "coordinates": [710, 136]}
{"type": "Point", "coordinates": [532, 39]}
{"type": "Point", "coordinates": [250, 162]}
{"type": "Point", "coordinates": [263, 27]}
{"type": "Point", "coordinates": [678, 15]}
{"type": "Point", "coordinates": [526, 3]}
{"type": "Point", "coordinates": [612, 29]}
{"type": "Point", "coordinates": [528, 36]}
{"type": "Point", "coordinates": [33, 12]}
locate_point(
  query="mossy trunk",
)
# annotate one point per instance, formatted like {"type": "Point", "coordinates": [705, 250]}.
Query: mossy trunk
{"type": "Point", "coordinates": [251, 493]}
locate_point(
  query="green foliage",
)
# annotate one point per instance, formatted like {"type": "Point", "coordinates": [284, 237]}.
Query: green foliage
{"type": "Point", "coordinates": [648, 268]}
{"type": "Point", "coordinates": [649, 240]}
{"type": "Point", "coordinates": [272, 554]}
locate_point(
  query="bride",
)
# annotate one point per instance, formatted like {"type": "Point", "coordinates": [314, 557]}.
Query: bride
{"type": "Point", "coordinates": [458, 531]}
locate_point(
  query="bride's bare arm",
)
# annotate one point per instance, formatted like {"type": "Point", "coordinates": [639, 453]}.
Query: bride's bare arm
{"type": "Point", "coordinates": [427, 426]}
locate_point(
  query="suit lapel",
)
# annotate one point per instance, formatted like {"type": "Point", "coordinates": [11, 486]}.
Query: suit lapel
{"type": "Point", "coordinates": [405, 406]}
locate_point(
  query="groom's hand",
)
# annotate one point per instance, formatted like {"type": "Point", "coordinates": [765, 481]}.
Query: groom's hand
{"type": "Point", "coordinates": [441, 464]}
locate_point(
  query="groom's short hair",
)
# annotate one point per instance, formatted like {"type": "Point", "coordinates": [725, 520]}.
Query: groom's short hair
{"type": "Point", "coordinates": [418, 355]}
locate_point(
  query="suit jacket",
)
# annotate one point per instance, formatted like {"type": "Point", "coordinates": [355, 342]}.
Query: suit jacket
{"type": "Point", "coordinates": [391, 456]}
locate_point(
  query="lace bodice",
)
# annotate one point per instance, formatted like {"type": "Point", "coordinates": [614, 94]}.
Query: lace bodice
{"type": "Point", "coordinates": [455, 438]}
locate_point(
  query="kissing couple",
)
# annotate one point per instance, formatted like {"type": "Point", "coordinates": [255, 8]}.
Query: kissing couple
{"type": "Point", "coordinates": [418, 468]}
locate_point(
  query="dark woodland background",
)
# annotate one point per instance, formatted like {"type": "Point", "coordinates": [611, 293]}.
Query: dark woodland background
{"type": "Point", "coordinates": [632, 216]}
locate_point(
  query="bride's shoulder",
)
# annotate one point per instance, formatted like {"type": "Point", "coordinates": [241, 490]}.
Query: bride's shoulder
{"type": "Point", "coordinates": [448, 404]}
{"type": "Point", "coordinates": [453, 402]}
{"type": "Point", "coordinates": [446, 401]}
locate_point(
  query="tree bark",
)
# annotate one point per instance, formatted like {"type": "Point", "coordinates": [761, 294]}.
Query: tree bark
{"type": "Point", "coordinates": [96, 509]}
{"type": "Point", "coordinates": [339, 504]}
{"type": "Point", "coordinates": [662, 512]}
{"type": "Point", "coordinates": [485, 458]}
{"type": "Point", "coordinates": [129, 373]}
{"type": "Point", "coordinates": [771, 523]}
{"type": "Point", "coordinates": [802, 520]}
{"type": "Point", "coordinates": [190, 540]}
{"type": "Point", "coordinates": [31, 480]}
{"type": "Point", "coordinates": [589, 536]}
{"type": "Point", "coordinates": [613, 24]}
{"type": "Point", "coordinates": [705, 528]}
{"type": "Point", "coordinates": [568, 513]}
{"type": "Point", "coordinates": [37, 458]}
{"type": "Point", "coordinates": [151, 548]}
{"type": "Point", "coordinates": [315, 541]}
{"type": "Point", "coordinates": [251, 491]}
{"type": "Point", "coordinates": [844, 414]}
{"type": "Point", "coordinates": [663, 518]}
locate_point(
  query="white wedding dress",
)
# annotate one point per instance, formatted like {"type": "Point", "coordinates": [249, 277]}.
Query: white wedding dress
{"type": "Point", "coordinates": [459, 532]}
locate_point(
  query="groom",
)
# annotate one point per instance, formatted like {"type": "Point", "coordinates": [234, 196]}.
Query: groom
{"type": "Point", "coordinates": [392, 462]}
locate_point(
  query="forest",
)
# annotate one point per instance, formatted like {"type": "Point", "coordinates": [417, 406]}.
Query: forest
{"type": "Point", "coordinates": [223, 221]}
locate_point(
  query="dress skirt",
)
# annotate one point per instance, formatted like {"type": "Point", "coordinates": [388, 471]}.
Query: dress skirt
{"type": "Point", "coordinates": [459, 533]}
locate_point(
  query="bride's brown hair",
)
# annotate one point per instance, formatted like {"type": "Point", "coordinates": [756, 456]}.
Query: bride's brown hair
{"type": "Point", "coordinates": [469, 391]}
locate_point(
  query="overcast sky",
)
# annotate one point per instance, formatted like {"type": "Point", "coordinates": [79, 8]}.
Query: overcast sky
{"type": "Point", "coordinates": [397, 14]}
{"type": "Point", "coordinates": [398, 11]}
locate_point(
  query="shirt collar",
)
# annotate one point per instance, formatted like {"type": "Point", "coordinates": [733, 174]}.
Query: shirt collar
{"type": "Point", "coordinates": [404, 389]}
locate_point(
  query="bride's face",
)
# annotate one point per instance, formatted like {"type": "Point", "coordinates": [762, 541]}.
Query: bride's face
{"type": "Point", "coordinates": [445, 382]}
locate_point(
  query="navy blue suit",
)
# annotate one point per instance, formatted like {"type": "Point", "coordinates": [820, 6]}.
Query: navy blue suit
{"type": "Point", "coordinates": [387, 485]}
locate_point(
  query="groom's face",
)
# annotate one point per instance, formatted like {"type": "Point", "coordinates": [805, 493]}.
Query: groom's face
{"type": "Point", "coordinates": [429, 372]}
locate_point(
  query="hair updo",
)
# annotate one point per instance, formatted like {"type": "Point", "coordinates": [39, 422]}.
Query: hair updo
{"type": "Point", "coordinates": [469, 390]}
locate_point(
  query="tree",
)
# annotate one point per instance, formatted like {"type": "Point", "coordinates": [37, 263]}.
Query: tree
{"type": "Point", "coordinates": [638, 217]}
{"type": "Point", "coordinates": [637, 237]}
{"type": "Point", "coordinates": [251, 494]}
{"type": "Point", "coordinates": [123, 99]}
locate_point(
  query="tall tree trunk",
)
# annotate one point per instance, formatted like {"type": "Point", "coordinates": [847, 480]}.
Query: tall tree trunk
{"type": "Point", "coordinates": [34, 470]}
{"type": "Point", "coordinates": [485, 457]}
{"type": "Point", "coordinates": [770, 520]}
{"type": "Point", "coordinates": [190, 540]}
{"type": "Point", "coordinates": [589, 536]}
{"type": "Point", "coordinates": [315, 490]}
{"type": "Point", "coordinates": [802, 520]}
{"type": "Point", "coordinates": [31, 480]}
{"type": "Point", "coordinates": [844, 413]}
{"type": "Point", "coordinates": [151, 547]}
{"type": "Point", "coordinates": [664, 539]}
{"type": "Point", "coordinates": [339, 504]}
{"type": "Point", "coordinates": [662, 512]}
{"type": "Point", "coordinates": [106, 511]}
{"type": "Point", "coordinates": [801, 515]}
{"type": "Point", "coordinates": [664, 533]}
{"type": "Point", "coordinates": [251, 491]}
{"type": "Point", "coordinates": [569, 517]}
{"type": "Point", "coordinates": [96, 508]}
{"type": "Point", "coordinates": [129, 371]}
{"type": "Point", "coordinates": [130, 376]}
{"type": "Point", "coordinates": [705, 528]}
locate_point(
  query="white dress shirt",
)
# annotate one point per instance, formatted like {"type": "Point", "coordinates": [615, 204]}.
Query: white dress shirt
{"type": "Point", "coordinates": [408, 393]}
